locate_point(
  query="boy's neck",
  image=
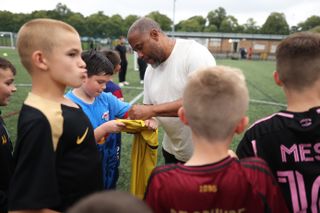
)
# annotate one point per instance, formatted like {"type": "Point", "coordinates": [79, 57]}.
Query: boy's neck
{"type": "Point", "coordinates": [80, 93]}
{"type": "Point", "coordinates": [50, 92]}
{"type": "Point", "coordinates": [302, 101]}
{"type": "Point", "coordinates": [207, 152]}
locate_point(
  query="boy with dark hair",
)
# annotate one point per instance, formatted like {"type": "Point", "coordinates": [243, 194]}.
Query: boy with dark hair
{"type": "Point", "coordinates": [114, 58]}
{"type": "Point", "coordinates": [7, 88]}
{"type": "Point", "coordinates": [102, 109]}
{"type": "Point", "coordinates": [289, 140]}
{"type": "Point", "coordinates": [211, 180]}
{"type": "Point", "coordinates": [56, 158]}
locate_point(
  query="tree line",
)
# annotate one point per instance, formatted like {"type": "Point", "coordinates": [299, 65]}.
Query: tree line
{"type": "Point", "coordinates": [99, 25]}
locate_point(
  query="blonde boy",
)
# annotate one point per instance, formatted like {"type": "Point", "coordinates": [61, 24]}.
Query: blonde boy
{"type": "Point", "coordinates": [289, 140]}
{"type": "Point", "coordinates": [215, 101]}
{"type": "Point", "coordinates": [56, 158]}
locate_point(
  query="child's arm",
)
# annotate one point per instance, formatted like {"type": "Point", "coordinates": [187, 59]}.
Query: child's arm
{"type": "Point", "coordinates": [112, 126]}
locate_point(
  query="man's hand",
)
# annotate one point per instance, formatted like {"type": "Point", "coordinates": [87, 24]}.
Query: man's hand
{"type": "Point", "coordinates": [142, 112]}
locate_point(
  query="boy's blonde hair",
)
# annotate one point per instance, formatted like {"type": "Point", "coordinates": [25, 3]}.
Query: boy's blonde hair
{"type": "Point", "coordinates": [215, 100]}
{"type": "Point", "coordinates": [298, 60]}
{"type": "Point", "coordinates": [40, 34]}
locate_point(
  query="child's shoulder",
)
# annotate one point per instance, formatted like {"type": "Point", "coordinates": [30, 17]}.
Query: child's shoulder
{"type": "Point", "coordinates": [111, 86]}
{"type": "Point", "coordinates": [163, 169]}
{"type": "Point", "coordinates": [272, 123]}
{"type": "Point", "coordinates": [263, 121]}
{"type": "Point", "coordinates": [255, 169]}
{"type": "Point", "coordinates": [106, 96]}
{"type": "Point", "coordinates": [254, 162]}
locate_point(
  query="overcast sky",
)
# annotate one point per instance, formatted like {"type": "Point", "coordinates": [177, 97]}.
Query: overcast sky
{"type": "Point", "coordinates": [295, 10]}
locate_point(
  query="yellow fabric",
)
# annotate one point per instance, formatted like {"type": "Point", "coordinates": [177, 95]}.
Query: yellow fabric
{"type": "Point", "coordinates": [143, 155]}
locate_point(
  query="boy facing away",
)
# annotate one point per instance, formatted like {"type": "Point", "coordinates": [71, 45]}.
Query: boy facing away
{"type": "Point", "coordinates": [289, 140]}
{"type": "Point", "coordinates": [211, 180]}
{"type": "Point", "coordinates": [7, 88]}
{"type": "Point", "coordinates": [56, 158]}
{"type": "Point", "coordinates": [102, 109]}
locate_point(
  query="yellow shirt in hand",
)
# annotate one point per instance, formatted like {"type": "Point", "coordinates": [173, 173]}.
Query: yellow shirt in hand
{"type": "Point", "coordinates": [143, 154]}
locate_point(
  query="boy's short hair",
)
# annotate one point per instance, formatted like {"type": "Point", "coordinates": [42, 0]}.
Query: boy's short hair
{"type": "Point", "coordinates": [215, 100]}
{"type": "Point", "coordinates": [97, 63]}
{"type": "Point", "coordinates": [5, 64]}
{"type": "Point", "coordinates": [113, 56]}
{"type": "Point", "coordinates": [298, 60]}
{"type": "Point", "coordinates": [40, 34]}
{"type": "Point", "coordinates": [110, 201]}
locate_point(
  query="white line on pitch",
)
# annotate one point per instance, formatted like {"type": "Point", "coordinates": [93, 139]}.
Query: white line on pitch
{"type": "Point", "coordinates": [267, 102]}
{"type": "Point", "coordinates": [135, 99]}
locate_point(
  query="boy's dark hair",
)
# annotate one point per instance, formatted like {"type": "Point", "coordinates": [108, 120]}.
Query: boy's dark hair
{"type": "Point", "coordinates": [113, 56]}
{"type": "Point", "coordinates": [298, 60]}
{"type": "Point", "coordinates": [5, 64]}
{"type": "Point", "coordinates": [97, 63]}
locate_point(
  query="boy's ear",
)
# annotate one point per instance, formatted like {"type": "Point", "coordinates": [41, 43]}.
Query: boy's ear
{"type": "Point", "coordinates": [38, 60]}
{"type": "Point", "coordinates": [182, 116]}
{"type": "Point", "coordinates": [277, 78]}
{"type": "Point", "coordinates": [242, 125]}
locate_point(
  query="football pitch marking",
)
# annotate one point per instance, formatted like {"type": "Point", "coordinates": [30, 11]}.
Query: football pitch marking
{"type": "Point", "coordinates": [267, 102]}
{"type": "Point", "coordinates": [135, 99]}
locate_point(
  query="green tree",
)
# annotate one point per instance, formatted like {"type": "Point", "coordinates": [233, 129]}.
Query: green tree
{"type": "Point", "coordinates": [97, 25]}
{"type": "Point", "coordinates": [62, 10]}
{"type": "Point", "coordinates": [39, 14]}
{"type": "Point", "coordinates": [193, 24]}
{"type": "Point", "coordinates": [251, 26]}
{"type": "Point", "coordinates": [216, 17]}
{"type": "Point", "coordinates": [128, 21]}
{"type": "Point", "coordinates": [116, 27]}
{"type": "Point", "coordinates": [163, 20]}
{"type": "Point", "coordinates": [311, 22]}
{"type": "Point", "coordinates": [12, 22]}
{"type": "Point", "coordinates": [276, 23]}
{"type": "Point", "coordinates": [211, 28]}
{"type": "Point", "coordinates": [77, 20]}
{"type": "Point", "coordinates": [229, 24]}
{"type": "Point", "coordinates": [5, 20]}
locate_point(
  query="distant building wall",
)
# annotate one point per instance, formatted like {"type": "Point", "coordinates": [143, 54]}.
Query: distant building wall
{"type": "Point", "coordinates": [229, 44]}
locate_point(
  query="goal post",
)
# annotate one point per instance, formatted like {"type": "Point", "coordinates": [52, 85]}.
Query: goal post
{"type": "Point", "coordinates": [7, 40]}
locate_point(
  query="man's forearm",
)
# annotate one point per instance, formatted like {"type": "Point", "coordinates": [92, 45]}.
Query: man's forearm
{"type": "Point", "coordinates": [169, 109]}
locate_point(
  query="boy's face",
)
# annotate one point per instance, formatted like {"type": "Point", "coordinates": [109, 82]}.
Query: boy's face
{"type": "Point", "coordinates": [7, 87]}
{"type": "Point", "coordinates": [65, 62]}
{"type": "Point", "coordinates": [117, 69]}
{"type": "Point", "coordinates": [94, 85]}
